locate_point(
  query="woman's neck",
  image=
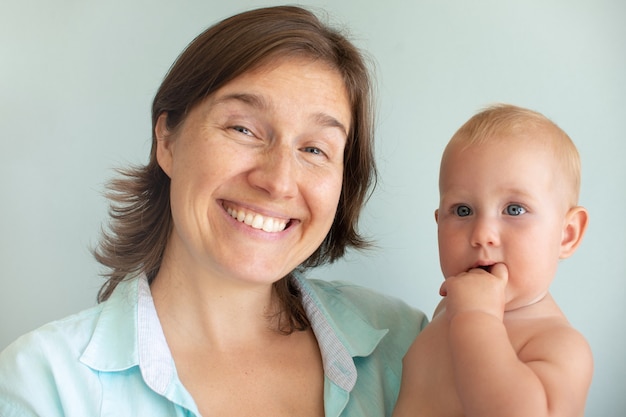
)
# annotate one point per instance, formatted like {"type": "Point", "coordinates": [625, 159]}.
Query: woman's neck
{"type": "Point", "coordinates": [205, 310]}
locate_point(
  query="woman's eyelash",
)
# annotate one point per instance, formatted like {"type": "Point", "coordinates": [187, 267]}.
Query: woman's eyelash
{"type": "Point", "coordinates": [242, 129]}
{"type": "Point", "coordinates": [313, 150]}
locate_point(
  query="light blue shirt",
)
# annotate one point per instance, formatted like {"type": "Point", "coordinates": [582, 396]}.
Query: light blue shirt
{"type": "Point", "coordinates": [113, 359]}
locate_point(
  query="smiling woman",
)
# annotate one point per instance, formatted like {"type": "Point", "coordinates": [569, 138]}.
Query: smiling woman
{"type": "Point", "coordinates": [255, 160]}
{"type": "Point", "coordinates": [261, 162]}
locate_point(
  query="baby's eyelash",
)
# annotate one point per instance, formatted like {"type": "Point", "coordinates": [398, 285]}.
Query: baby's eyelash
{"type": "Point", "coordinates": [462, 210]}
{"type": "Point", "coordinates": [515, 209]}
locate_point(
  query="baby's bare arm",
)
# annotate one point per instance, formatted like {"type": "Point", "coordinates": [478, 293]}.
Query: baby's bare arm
{"type": "Point", "coordinates": [548, 376]}
{"type": "Point", "coordinates": [427, 387]}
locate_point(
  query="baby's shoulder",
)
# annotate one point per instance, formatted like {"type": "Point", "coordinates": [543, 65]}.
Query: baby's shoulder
{"type": "Point", "coordinates": [551, 339]}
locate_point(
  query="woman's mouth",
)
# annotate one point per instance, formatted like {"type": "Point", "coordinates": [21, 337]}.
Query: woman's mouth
{"type": "Point", "coordinates": [257, 221]}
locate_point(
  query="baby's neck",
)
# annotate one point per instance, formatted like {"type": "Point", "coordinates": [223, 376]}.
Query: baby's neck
{"type": "Point", "coordinates": [542, 308]}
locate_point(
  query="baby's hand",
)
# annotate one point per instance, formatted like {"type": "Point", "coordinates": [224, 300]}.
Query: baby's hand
{"type": "Point", "coordinates": [476, 290]}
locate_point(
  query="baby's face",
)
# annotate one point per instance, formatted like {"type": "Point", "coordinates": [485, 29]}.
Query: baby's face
{"type": "Point", "coordinates": [503, 202]}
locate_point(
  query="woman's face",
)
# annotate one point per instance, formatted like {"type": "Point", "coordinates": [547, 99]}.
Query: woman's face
{"type": "Point", "coordinates": [256, 172]}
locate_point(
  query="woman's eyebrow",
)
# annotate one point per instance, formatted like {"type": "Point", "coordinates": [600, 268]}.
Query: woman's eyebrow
{"type": "Point", "coordinates": [259, 102]}
{"type": "Point", "coordinates": [252, 100]}
{"type": "Point", "coordinates": [327, 120]}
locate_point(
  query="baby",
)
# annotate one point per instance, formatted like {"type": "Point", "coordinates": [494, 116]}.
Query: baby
{"type": "Point", "coordinates": [498, 344]}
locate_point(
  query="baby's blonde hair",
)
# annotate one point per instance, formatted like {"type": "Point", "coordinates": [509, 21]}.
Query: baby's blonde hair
{"type": "Point", "coordinates": [504, 121]}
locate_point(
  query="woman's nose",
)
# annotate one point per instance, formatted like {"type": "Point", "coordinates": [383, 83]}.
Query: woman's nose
{"type": "Point", "coordinates": [276, 172]}
{"type": "Point", "coordinates": [485, 232]}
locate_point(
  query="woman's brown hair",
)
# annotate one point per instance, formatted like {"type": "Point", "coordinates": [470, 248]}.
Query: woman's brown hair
{"type": "Point", "coordinates": [140, 207]}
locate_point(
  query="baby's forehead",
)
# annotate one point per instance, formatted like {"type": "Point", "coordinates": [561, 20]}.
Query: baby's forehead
{"type": "Point", "coordinates": [522, 133]}
{"type": "Point", "coordinates": [538, 150]}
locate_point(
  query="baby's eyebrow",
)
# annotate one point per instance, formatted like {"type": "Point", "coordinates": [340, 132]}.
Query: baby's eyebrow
{"type": "Point", "coordinates": [516, 192]}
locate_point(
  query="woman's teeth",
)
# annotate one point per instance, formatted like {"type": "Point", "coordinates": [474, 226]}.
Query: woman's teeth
{"type": "Point", "coordinates": [257, 221]}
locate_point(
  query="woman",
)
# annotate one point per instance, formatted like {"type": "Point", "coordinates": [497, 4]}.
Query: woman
{"type": "Point", "coordinates": [261, 162]}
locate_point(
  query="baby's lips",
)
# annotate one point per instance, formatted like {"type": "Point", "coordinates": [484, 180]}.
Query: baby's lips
{"type": "Point", "coordinates": [484, 265]}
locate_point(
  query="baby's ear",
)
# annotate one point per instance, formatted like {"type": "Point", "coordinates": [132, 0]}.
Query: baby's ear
{"type": "Point", "coordinates": [573, 230]}
{"type": "Point", "coordinates": [437, 216]}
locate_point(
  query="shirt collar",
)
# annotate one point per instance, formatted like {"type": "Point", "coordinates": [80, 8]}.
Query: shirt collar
{"type": "Point", "coordinates": [155, 358]}
{"type": "Point", "coordinates": [129, 333]}
{"type": "Point", "coordinates": [341, 332]}
{"type": "Point", "coordinates": [113, 344]}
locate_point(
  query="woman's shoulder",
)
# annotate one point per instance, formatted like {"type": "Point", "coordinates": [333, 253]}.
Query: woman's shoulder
{"type": "Point", "coordinates": [69, 336]}
{"type": "Point", "coordinates": [374, 306]}
{"type": "Point", "coordinates": [71, 332]}
{"type": "Point", "coordinates": [45, 358]}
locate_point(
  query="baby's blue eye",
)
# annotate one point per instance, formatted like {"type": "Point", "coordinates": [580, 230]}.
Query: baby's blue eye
{"type": "Point", "coordinates": [462, 211]}
{"type": "Point", "coordinates": [515, 210]}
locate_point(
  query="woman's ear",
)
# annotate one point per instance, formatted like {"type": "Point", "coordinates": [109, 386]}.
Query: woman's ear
{"type": "Point", "coordinates": [573, 230]}
{"type": "Point", "coordinates": [164, 153]}
{"type": "Point", "coordinates": [437, 216]}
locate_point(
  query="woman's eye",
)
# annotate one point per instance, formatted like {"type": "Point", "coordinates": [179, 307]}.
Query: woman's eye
{"type": "Point", "coordinates": [313, 150]}
{"type": "Point", "coordinates": [462, 211]}
{"type": "Point", "coordinates": [515, 210]}
{"type": "Point", "coordinates": [243, 130]}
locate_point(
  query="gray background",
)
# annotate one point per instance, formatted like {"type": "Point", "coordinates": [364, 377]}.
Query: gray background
{"type": "Point", "coordinates": [77, 79]}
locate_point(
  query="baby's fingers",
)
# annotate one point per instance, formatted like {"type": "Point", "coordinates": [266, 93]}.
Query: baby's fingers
{"type": "Point", "coordinates": [501, 271]}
